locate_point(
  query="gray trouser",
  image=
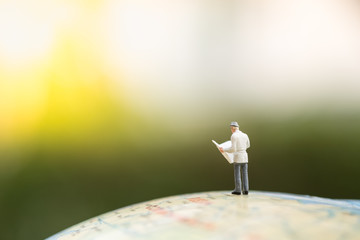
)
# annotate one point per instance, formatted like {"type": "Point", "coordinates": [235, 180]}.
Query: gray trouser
{"type": "Point", "coordinates": [243, 178]}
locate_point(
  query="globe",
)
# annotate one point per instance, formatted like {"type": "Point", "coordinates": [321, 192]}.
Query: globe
{"type": "Point", "coordinates": [221, 215]}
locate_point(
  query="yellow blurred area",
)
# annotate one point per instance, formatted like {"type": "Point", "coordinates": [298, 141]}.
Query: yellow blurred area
{"type": "Point", "coordinates": [67, 92]}
{"type": "Point", "coordinates": [50, 79]}
{"type": "Point", "coordinates": [22, 100]}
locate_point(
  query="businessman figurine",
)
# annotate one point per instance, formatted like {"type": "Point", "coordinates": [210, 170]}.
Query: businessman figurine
{"type": "Point", "coordinates": [239, 143]}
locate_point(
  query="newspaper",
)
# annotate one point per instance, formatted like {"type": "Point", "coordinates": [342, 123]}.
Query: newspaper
{"type": "Point", "coordinates": [228, 156]}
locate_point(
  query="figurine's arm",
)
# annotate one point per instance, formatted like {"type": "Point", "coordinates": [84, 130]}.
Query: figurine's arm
{"type": "Point", "coordinates": [247, 142]}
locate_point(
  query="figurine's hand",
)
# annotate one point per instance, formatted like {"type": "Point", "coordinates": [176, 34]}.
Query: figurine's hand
{"type": "Point", "coordinates": [221, 149]}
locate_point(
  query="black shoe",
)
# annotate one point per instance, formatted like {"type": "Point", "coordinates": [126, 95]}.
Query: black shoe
{"type": "Point", "coordinates": [236, 193]}
{"type": "Point", "coordinates": [246, 192]}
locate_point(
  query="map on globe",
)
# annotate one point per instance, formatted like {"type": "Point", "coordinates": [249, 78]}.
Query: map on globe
{"type": "Point", "coordinates": [221, 215]}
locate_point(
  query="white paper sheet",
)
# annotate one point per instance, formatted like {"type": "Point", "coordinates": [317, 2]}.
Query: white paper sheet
{"type": "Point", "coordinates": [228, 156]}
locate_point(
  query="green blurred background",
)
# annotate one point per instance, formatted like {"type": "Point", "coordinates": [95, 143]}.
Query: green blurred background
{"type": "Point", "coordinates": [109, 103]}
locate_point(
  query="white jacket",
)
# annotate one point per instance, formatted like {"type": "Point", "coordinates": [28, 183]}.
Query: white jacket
{"type": "Point", "coordinates": [239, 143]}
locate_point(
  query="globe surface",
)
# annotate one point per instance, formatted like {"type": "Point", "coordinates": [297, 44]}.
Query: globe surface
{"type": "Point", "coordinates": [221, 215]}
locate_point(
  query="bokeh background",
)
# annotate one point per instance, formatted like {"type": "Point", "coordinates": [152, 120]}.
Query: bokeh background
{"type": "Point", "coordinates": [106, 103]}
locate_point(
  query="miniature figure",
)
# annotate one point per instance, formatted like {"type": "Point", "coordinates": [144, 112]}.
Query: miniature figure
{"type": "Point", "coordinates": [235, 152]}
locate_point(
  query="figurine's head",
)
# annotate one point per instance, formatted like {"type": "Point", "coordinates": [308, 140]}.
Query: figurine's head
{"type": "Point", "coordinates": [234, 126]}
